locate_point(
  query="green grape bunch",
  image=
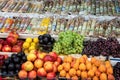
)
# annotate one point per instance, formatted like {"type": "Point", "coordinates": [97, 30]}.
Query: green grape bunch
{"type": "Point", "coordinates": [69, 43]}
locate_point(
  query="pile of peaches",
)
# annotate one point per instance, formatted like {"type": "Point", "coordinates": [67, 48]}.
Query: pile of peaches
{"type": "Point", "coordinates": [85, 69]}
{"type": "Point", "coordinates": [40, 65]}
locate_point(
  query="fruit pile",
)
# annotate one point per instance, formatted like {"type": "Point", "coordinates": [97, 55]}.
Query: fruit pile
{"type": "Point", "coordinates": [94, 69]}
{"type": "Point", "coordinates": [106, 47]}
{"type": "Point", "coordinates": [117, 71]}
{"type": "Point", "coordinates": [12, 65]}
{"type": "Point", "coordinates": [41, 65]}
{"type": "Point", "coordinates": [46, 42]}
{"type": "Point", "coordinates": [30, 45]}
{"type": "Point", "coordinates": [69, 43]}
{"type": "Point", "coordinates": [11, 43]}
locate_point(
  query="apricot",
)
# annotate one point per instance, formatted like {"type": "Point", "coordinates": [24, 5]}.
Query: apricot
{"type": "Point", "coordinates": [84, 75]}
{"type": "Point", "coordinates": [74, 78]}
{"type": "Point", "coordinates": [68, 59]}
{"type": "Point", "coordinates": [93, 60]}
{"type": "Point", "coordinates": [82, 60]}
{"type": "Point", "coordinates": [76, 66]}
{"type": "Point", "coordinates": [97, 73]}
{"type": "Point", "coordinates": [67, 76]}
{"type": "Point", "coordinates": [97, 63]}
{"type": "Point", "coordinates": [62, 73]}
{"type": "Point", "coordinates": [95, 78]}
{"type": "Point", "coordinates": [72, 72]}
{"type": "Point", "coordinates": [66, 67]}
{"type": "Point", "coordinates": [111, 77]}
{"type": "Point", "coordinates": [88, 66]}
{"type": "Point", "coordinates": [90, 73]}
{"type": "Point", "coordinates": [94, 68]}
{"type": "Point", "coordinates": [77, 61]}
{"type": "Point", "coordinates": [103, 76]}
{"type": "Point", "coordinates": [85, 57]}
{"type": "Point", "coordinates": [82, 67]}
{"type": "Point", "coordinates": [60, 68]}
{"type": "Point", "coordinates": [78, 73]}
{"type": "Point", "coordinates": [110, 70]}
{"type": "Point", "coordinates": [102, 68]}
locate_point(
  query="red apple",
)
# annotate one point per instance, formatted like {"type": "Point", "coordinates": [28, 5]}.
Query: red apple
{"type": "Point", "coordinates": [51, 76]}
{"type": "Point", "coordinates": [48, 58]}
{"type": "Point", "coordinates": [59, 60]}
{"type": "Point", "coordinates": [1, 41]}
{"type": "Point", "coordinates": [14, 34]}
{"type": "Point", "coordinates": [32, 74]}
{"type": "Point", "coordinates": [6, 48]}
{"type": "Point", "coordinates": [20, 42]}
{"type": "Point", "coordinates": [16, 48]}
{"type": "Point", "coordinates": [48, 66]}
{"type": "Point", "coordinates": [41, 72]}
{"type": "Point", "coordinates": [0, 47]}
{"type": "Point", "coordinates": [54, 55]}
{"type": "Point", "coordinates": [11, 40]}
{"type": "Point", "coordinates": [6, 43]}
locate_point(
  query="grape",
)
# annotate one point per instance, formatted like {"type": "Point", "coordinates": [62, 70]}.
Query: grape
{"type": "Point", "coordinates": [69, 43]}
{"type": "Point", "coordinates": [105, 47]}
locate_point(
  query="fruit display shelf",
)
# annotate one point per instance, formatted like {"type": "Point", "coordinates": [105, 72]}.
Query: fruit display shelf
{"type": "Point", "coordinates": [24, 36]}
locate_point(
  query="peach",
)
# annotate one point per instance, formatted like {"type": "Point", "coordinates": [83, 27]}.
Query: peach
{"type": "Point", "coordinates": [51, 75]}
{"type": "Point", "coordinates": [72, 72]}
{"type": "Point", "coordinates": [48, 66]}
{"type": "Point", "coordinates": [56, 63]}
{"type": "Point", "coordinates": [54, 68]}
{"type": "Point", "coordinates": [54, 55]}
{"type": "Point", "coordinates": [38, 63]}
{"type": "Point", "coordinates": [41, 72]}
{"type": "Point", "coordinates": [32, 74]}
{"type": "Point", "coordinates": [28, 66]}
{"type": "Point", "coordinates": [31, 57]}
{"type": "Point", "coordinates": [59, 60]}
{"type": "Point", "coordinates": [22, 74]}
{"type": "Point", "coordinates": [41, 55]}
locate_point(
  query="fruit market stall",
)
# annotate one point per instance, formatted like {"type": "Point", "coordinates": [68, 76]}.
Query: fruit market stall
{"type": "Point", "coordinates": [59, 40]}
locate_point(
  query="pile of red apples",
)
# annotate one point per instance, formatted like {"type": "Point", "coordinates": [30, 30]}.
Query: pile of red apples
{"type": "Point", "coordinates": [39, 66]}
{"type": "Point", "coordinates": [11, 43]}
